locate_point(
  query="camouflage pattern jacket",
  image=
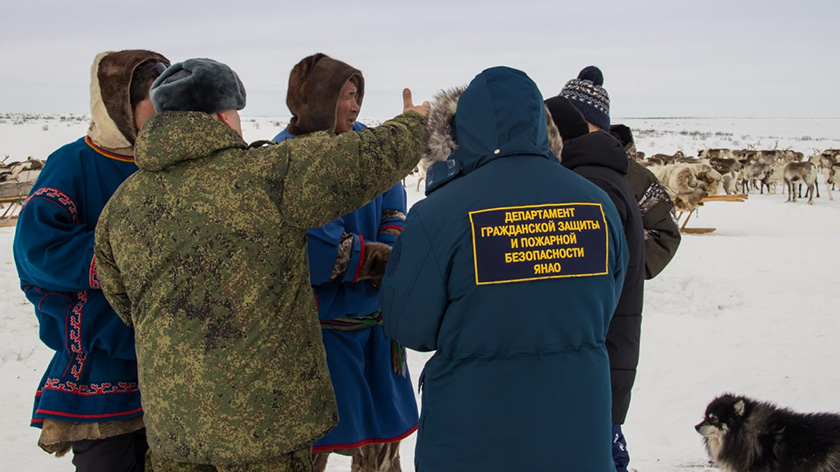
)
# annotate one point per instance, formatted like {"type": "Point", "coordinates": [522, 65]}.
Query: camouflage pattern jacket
{"type": "Point", "coordinates": [203, 252]}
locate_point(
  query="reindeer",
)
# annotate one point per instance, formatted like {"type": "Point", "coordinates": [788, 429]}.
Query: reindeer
{"type": "Point", "coordinates": [772, 179]}
{"type": "Point", "coordinates": [715, 153]}
{"type": "Point", "coordinates": [724, 165]}
{"type": "Point", "coordinates": [833, 178]}
{"type": "Point", "coordinates": [801, 172]}
{"type": "Point", "coordinates": [730, 181]}
{"type": "Point", "coordinates": [825, 160]}
{"type": "Point", "coordinates": [666, 158]}
{"type": "Point", "coordinates": [755, 172]}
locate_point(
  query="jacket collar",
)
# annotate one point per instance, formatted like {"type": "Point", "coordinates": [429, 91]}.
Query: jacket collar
{"type": "Point", "coordinates": [171, 137]}
{"type": "Point", "coordinates": [598, 148]}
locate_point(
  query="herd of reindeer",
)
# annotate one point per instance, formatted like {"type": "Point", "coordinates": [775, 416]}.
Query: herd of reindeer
{"type": "Point", "coordinates": [690, 179]}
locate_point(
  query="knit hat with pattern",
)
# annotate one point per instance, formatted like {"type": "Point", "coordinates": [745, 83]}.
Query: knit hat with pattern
{"type": "Point", "coordinates": [588, 95]}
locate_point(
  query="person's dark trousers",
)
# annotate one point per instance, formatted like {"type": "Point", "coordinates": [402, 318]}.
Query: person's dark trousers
{"type": "Point", "coordinates": [619, 449]}
{"type": "Point", "coordinates": [123, 453]}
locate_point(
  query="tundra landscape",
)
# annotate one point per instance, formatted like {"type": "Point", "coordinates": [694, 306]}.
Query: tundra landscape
{"type": "Point", "coordinates": [746, 306]}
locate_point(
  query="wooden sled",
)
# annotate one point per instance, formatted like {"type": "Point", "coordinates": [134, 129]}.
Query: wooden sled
{"type": "Point", "coordinates": [739, 197]}
{"type": "Point", "coordinates": [11, 207]}
{"type": "Point", "coordinates": [13, 193]}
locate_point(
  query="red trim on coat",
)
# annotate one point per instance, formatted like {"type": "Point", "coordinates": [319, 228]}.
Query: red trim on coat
{"type": "Point", "coordinates": [56, 196]}
{"type": "Point", "coordinates": [108, 154]}
{"type": "Point", "coordinates": [74, 336]}
{"type": "Point", "coordinates": [365, 442]}
{"type": "Point", "coordinates": [73, 388]}
{"type": "Point", "coordinates": [73, 415]}
{"type": "Point", "coordinates": [93, 275]}
{"type": "Point", "coordinates": [386, 228]}
{"type": "Point", "coordinates": [361, 258]}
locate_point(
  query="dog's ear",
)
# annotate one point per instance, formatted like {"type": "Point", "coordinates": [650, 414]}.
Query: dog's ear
{"type": "Point", "coordinates": [739, 407]}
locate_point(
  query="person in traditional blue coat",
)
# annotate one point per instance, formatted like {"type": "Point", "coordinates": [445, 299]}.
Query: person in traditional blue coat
{"type": "Point", "coordinates": [347, 257]}
{"type": "Point", "coordinates": [88, 398]}
{"type": "Point", "coordinates": [510, 270]}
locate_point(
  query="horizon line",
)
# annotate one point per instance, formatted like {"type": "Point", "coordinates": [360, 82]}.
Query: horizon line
{"type": "Point", "coordinates": [612, 119]}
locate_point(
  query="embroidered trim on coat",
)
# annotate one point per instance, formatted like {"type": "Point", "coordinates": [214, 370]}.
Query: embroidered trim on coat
{"type": "Point", "coordinates": [58, 197]}
{"type": "Point", "coordinates": [85, 390]}
{"type": "Point", "coordinates": [74, 336]}
{"type": "Point", "coordinates": [94, 275]}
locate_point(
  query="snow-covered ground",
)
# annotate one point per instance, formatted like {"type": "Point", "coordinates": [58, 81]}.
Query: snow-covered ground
{"type": "Point", "coordinates": [747, 308]}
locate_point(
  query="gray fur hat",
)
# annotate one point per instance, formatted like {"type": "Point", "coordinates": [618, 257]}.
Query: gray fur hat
{"type": "Point", "coordinates": [198, 85]}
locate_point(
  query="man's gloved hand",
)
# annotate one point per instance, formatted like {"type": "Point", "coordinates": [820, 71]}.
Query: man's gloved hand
{"type": "Point", "coordinates": [374, 262]}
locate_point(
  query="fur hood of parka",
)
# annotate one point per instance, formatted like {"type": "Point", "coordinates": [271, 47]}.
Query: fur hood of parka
{"type": "Point", "coordinates": [500, 113]}
{"type": "Point", "coordinates": [314, 87]}
{"type": "Point", "coordinates": [111, 115]}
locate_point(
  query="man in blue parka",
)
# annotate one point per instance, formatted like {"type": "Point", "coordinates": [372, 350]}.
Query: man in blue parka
{"type": "Point", "coordinates": [347, 257]}
{"type": "Point", "coordinates": [510, 270]}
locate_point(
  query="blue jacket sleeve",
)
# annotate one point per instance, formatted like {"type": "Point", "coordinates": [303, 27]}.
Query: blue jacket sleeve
{"type": "Point", "coordinates": [53, 250]}
{"type": "Point", "coordinates": [393, 215]}
{"type": "Point", "coordinates": [323, 244]}
{"type": "Point", "coordinates": [413, 294]}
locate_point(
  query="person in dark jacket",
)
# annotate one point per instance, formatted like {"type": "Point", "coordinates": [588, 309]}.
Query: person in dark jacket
{"type": "Point", "coordinates": [88, 399]}
{"type": "Point", "coordinates": [510, 269]}
{"type": "Point", "coordinates": [662, 231]}
{"type": "Point", "coordinates": [600, 158]}
{"type": "Point", "coordinates": [347, 256]}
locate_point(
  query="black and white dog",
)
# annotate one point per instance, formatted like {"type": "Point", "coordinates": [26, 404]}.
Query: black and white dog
{"type": "Point", "coordinates": [745, 435]}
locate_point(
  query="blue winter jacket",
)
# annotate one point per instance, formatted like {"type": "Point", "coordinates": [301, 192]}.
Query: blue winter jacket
{"type": "Point", "coordinates": [510, 270]}
{"type": "Point", "coordinates": [93, 375]}
{"type": "Point", "coordinates": [375, 404]}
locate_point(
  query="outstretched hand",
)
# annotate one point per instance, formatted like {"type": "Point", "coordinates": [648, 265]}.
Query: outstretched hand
{"type": "Point", "coordinates": [423, 108]}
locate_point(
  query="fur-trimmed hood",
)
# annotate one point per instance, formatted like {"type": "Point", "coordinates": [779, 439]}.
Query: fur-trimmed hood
{"type": "Point", "coordinates": [314, 87]}
{"type": "Point", "coordinates": [499, 114]}
{"type": "Point", "coordinates": [111, 115]}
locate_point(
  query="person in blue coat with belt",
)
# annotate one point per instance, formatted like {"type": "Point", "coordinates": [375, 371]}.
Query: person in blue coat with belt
{"type": "Point", "coordinates": [347, 257]}
{"type": "Point", "coordinates": [510, 270]}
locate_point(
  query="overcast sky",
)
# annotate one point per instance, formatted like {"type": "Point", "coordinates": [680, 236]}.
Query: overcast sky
{"type": "Point", "coordinates": [706, 58]}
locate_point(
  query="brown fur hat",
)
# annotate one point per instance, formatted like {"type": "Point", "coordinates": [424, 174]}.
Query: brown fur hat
{"type": "Point", "coordinates": [110, 89]}
{"type": "Point", "coordinates": [314, 86]}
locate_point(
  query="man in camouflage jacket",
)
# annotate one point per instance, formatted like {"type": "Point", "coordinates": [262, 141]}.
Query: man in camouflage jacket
{"type": "Point", "coordinates": [203, 252]}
